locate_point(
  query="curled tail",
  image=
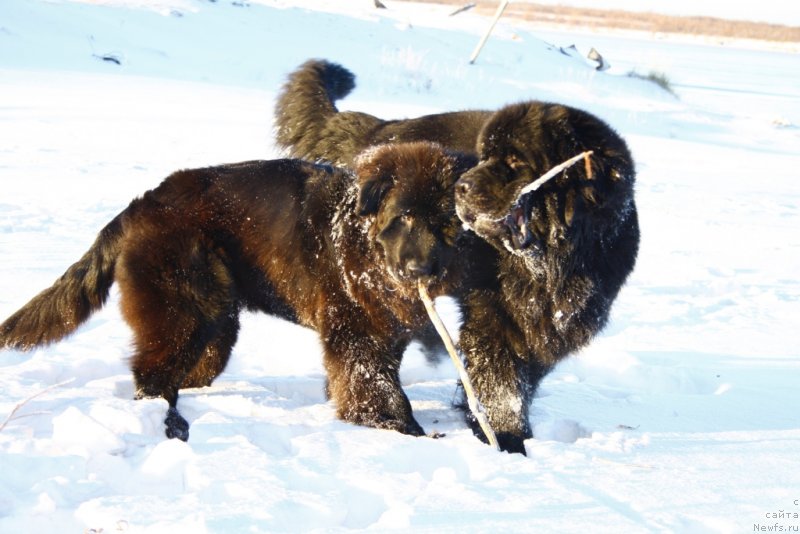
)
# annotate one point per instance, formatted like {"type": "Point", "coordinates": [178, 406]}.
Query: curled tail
{"type": "Point", "coordinates": [306, 103]}
{"type": "Point", "coordinates": [57, 311]}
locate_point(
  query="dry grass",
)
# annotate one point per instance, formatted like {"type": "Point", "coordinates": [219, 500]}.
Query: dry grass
{"type": "Point", "coordinates": [648, 22]}
{"type": "Point", "coordinates": [658, 78]}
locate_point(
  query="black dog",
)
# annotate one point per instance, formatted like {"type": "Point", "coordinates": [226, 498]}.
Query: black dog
{"type": "Point", "coordinates": [337, 252]}
{"type": "Point", "coordinates": [309, 126]}
{"type": "Point", "coordinates": [566, 250]}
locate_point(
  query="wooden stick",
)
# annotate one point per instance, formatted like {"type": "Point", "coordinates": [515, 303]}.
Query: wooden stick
{"type": "Point", "coordinates": [588, 162]}
{"type": "Point", "coordinates": [462, 9]}
{"type": "Point", "coordinates": [536, 184]}
{"type": "Point", "coordinates": [485, 37]}
{"type": "Point", "coordinates": [474, 404]}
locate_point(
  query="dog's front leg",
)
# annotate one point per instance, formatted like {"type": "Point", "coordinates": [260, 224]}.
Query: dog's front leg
{"type": "Point", "coordinates": [501, 378]}
{"type": "Point", "coordinates": [364, 384]}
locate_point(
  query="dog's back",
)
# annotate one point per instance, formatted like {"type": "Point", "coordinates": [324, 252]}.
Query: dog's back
{"type": "Point", "coordinates": [456, 130]}
{"type": "Point", "coordinates": [309, 126]}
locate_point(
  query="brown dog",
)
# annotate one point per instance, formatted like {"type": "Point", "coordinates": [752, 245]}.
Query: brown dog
{"type": "Point", "coordinates": [337, 252]}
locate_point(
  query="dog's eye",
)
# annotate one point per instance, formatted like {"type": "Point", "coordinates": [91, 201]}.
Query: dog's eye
{"type": "Point", "coordinates": [515, 163]}
{"type": "Point", "coordinates": [396, 224]}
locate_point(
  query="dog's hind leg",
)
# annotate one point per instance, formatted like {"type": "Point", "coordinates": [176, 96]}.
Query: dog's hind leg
{"type": "Point", "coordinates": [178, 297]}
{"type": "Point", "coordinates": [216, 356]}
{"type": "Point", "coordinates": [160, 366]}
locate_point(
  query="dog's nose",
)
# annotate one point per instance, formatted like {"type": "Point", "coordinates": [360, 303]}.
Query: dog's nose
{"type": "Point", "coordinates": [417, 269]}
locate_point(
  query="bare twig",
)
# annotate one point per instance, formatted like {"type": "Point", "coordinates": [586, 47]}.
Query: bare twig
{"type": "Point", "coordinates": [474, 404]}
{"type": "Point", "coordinates": [549, 175]}
{"type": "Point", "coordinates": [463, 8]}
{"type": "Point", "coordinates": [536, 184]}
{"type": "Point", "coordinates": [588, 163]}
{"type": "Point", "coordinates": [11, 415]}
{"type": "Point", "coordinates": [498, 13]}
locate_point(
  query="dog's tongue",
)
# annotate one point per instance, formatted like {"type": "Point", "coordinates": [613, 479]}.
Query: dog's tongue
{"type": "Point", "coordinates": [517, 223]}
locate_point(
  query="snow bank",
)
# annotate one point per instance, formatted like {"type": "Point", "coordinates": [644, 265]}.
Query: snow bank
{"type": "Point", "coordinates": [682, 417]}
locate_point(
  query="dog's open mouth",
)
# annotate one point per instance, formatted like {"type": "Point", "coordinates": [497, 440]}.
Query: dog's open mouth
{"type": "Point", "coordinates": [517, 223]}
{"type": "Point", "coordinates": [512, 228]}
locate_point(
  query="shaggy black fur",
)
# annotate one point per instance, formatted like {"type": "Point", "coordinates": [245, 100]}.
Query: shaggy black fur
{"type": "Point", "coordinates": [566, 250]}
{"type": "Point", "coordinates": [337, 252]}
{"type": "Point", "coordinates": [310, 127]}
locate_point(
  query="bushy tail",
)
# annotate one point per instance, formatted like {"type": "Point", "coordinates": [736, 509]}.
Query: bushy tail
{"type": "Point", "coordinates": [58, 310]}
{"type": "Point", "coordinates": [306, 102]}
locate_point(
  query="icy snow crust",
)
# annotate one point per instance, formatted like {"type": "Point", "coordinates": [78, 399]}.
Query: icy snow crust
{"type": "Point", "coordinates": [681, 417]}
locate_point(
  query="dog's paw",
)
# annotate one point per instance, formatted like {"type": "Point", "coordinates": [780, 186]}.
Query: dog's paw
{"type": "Point", "coordinates": [177, 426]}
{"type": "Point", "coordinates": [411, 427]}
{"type": "Point", "coordinates": [388, 422]}
{"type": "Point", "coordinates": [511, 442]}
{"type": "Point", "coordinates": [508, 441]}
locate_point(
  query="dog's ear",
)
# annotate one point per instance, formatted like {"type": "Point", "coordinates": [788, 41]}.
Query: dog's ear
{"type": "Point", "coordinates": [374, 170]}
{"type": "Point", "coordinates": [370, 195]}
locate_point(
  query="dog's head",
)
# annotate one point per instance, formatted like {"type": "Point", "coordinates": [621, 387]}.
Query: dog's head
{"type": "Point", "coordinates": [517, 145]}
{"type": "Point", "coordinates": [408, 189]}
{"type": "Point", "coordinates": [486, 196]}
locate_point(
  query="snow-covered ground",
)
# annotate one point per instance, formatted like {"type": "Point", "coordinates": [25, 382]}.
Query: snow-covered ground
{"type": "Point", "coordinates": [682, 417]}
